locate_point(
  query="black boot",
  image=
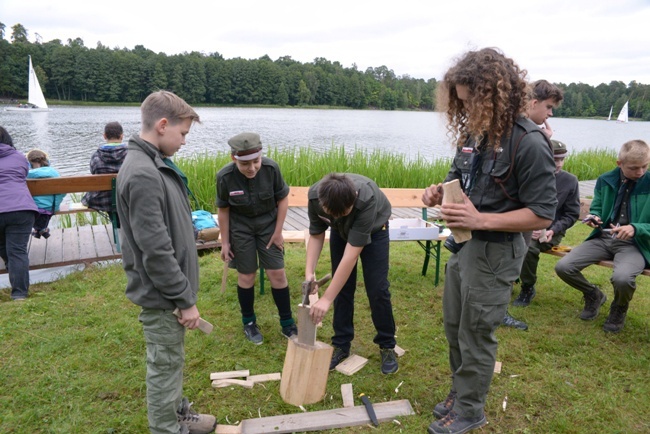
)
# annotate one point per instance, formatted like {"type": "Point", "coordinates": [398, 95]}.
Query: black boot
{"type": "Point", "coordinates": [525, 296]}
{"type": "Point", "coordinates": [509, 321]}
{"type": "Point", "coordinates": [593, 300]}
{"type": "Point", "coordinates": [616, 318]}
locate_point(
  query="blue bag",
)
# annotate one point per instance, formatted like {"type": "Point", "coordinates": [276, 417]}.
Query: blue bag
{"type": "Point", "coordinates": [202, 219]}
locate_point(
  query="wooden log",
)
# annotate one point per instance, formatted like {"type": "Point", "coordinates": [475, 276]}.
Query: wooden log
{"type": "Point", "coordinates": [232, 382]}
{"type": "Point", "coordinates": [453, 193]}
{"type": "Point", "coordinates": [326, 419]}
{"type": "Point", "coordinates": [229, 374]}
{"type": "Point", "coordinates": [305, 372]}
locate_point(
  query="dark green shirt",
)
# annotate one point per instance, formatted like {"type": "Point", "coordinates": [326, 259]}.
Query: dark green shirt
{"type": "Point", "coordinates": [370, 212]}
{"type": "Point", "coordinates": [251, 197]}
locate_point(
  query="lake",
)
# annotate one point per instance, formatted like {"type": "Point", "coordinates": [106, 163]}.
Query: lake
{"type": "Point", "coordinates": [70, 134]}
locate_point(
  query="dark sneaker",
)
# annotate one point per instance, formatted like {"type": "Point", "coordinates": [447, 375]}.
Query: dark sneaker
{"type": "Point", "coordinates": [45, 233]}
{"type": "Point", "coordinates": [525, 297]}
{"type": "Point", "coordinates": [290, 331]}
{"type": "Point", "coordinates": [252, 332]}
{"type": "Point", "coordinates": [593, 300]}
{"type": "Point", "coordinates": [35, 234]}
{"type": "Point", "coordinates": [443, 408]}
{"type": "Point", "coordinates": [616, 319]}
{"type": "Point", "coordinates": [338, 356]}
{"type": "Point", "coordinates": [195, 422]}
{"type": "Point", "coordinates": [453, 423]}
{"type": "Point", "coordinates": [509, 321]}
{"type": "Point", "coordinates": [388, 361]}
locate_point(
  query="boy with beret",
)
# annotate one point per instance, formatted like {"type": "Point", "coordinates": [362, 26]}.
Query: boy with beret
{"type": "Point", "coordinates": [159, 258]}
{"type": "Point", "coordinates": [253, 200]}
{"type": "Point", "coordinates": [357, 212]}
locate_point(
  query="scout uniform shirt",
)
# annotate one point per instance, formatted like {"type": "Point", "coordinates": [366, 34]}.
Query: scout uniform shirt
{"type": "Point", "coordinates": [370, 212]}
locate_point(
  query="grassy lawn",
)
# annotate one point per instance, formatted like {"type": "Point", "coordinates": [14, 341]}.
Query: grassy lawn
{"type": "Point", "coordinates": [72, 355]}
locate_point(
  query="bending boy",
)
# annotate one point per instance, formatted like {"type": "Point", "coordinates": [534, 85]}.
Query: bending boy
{"type": "Point", "coordinates": [357, 212]}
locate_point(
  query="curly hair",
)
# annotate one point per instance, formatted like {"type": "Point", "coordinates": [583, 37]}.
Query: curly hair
{"type": "Point", "coordinates": [498, 94]}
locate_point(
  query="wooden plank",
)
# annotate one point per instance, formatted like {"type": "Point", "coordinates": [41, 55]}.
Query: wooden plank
{"type": "Point", "coordinates": [326, 419]}
{"type": "Point", "coordinates": [453, 193]}
{"type": "Point", "coordinates": [261, 378]}
{"type": "Point", "coordinates": [351, 365]}
{"type": "Point", "coordinates": [37, 251]}
{"type": "Point", "coordinates": [399, 351]}
{"type": "Point", "coordinates": [404, 197]}
{"type": "Point", "coordinates": [71, 184]}
{"type": "Point", "coordinates": [54, 254]}
{"type": "Point", "coordinates": [86, 243]}
{"type": "Point", "coordinates": [232, 382]}
{"type": "Point", "coordinates": [298, 196]}
{"type": "Point", "coordinates": [230, 374]}
{"type": "Point", "coordinates": [70, 245]}
{"type": "Point", "coordinates": [346, 394]}
{"type": "Point", "coordinates": [102, 236]}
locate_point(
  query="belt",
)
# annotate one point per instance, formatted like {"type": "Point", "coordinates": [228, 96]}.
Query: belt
{"type": "Point", "coordinates": [494, 237]}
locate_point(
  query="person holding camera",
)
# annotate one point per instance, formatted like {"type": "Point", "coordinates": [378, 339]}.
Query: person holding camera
{"type": "Point", "coordinates": [505, 167]}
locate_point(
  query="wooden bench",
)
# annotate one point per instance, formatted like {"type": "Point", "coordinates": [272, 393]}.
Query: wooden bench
{"type": "Point", "coordinates": [399, 198]}
{"type": "Point", "coordinates": [78, 244]}
{"type": "Point", "coordinates": [608, 264]}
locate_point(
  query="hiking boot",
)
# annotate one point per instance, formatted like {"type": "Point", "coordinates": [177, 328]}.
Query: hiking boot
{"type": "Point", "coordinates": [388, 361]}
{"type": "Point", "coordinates": [509, 321]}
{"type": "Point", "coordinates": [616, 318]}
{"type": "Point", "coordinates": [442, 408]}
{"type": "Point", "coordinates": [290, 331]}
{"type": "Point", "coordinates": [525, 297]}
{"type": "Point", "coordinates": [252, 332]}
{"type": "Point", "coordinates": [338, 356]}
{"type": "Point", "coordinates": [195, 422]}
{"type": "Point", "coordinates": [454, 423]}
{"type": "Point", "coordinates": [593, 300]}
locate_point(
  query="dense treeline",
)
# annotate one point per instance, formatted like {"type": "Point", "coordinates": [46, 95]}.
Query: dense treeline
{"type": "Point", "coordinates": [73, 72]}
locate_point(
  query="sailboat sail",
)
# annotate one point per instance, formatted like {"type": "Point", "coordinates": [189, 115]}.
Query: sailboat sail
{"type": "Point", "coordinates": [35, 95]}
{"type": "Point", "coordinates": [622, 116]}
{"type": "Point", "coordinates": [609, 118]}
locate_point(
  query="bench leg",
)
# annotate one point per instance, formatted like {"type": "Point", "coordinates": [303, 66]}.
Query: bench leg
{"type": "Point", "coordinates": [261, 280]}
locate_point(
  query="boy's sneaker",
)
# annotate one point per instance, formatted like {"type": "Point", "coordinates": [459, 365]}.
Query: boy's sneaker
{"type": "Point", "coordinates": [35, 234]}
{"type": "Point", "coordinates": [453, 423]}
{"type": "Point", "coordinates": [290, 331]}
{"type": "Point", "coordinates": [252, 332]}
{"type": "Point", "coordinates": [388, 361]}
{"type": "Point", "coordinates": [443, 408]}
{"type": "Point", "coordinates": [184, 430]}
{"type": "Point", "coordinates": [525, 296]}
{"type": "Point", "coordinates": [195, 422]}
{"type": "Point", "coordinates": [45, 233]}
{"type": "Point", "coordinates": [593, 300]}
{"type": "Point", "coordinates": [338, 356]}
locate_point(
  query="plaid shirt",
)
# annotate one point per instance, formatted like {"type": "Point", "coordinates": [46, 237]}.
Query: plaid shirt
{"type": "Point", "coordinates": [107, 159]}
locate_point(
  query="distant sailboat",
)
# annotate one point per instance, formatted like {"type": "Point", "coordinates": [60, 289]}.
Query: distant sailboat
{"type": "Point", "coordinates": [622, 116]}
{"type": "Point", "coordinates": [35, 99]}
{"type": "Point", "coordinates": [609, 118]}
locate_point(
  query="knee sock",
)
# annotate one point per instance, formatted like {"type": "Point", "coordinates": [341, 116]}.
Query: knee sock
{"type": "Point", "coordinates": [283, 303]}
{"type": "Point", "coordinates": [247, 303]}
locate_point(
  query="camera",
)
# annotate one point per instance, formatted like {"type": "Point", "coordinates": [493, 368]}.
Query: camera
{"type": "Point", "coordinates": [452, 245]}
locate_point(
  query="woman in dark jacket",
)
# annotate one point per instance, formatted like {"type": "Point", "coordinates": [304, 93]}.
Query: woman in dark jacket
{"type": "Point", "coordinates": [17, 214]}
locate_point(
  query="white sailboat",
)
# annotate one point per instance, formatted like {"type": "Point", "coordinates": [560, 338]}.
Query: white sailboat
{"type": "Point", "coordinates": [609, 118]}
{"type": "Point", "coordinates": [35, 99]}
{"type": "Point", "coordinates": [622, 116]}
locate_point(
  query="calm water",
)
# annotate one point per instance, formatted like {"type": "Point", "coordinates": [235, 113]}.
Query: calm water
{"type": "Point", "coordinates": [71, 134]}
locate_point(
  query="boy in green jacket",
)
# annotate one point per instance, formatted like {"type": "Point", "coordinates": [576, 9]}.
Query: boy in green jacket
{"type": "Point", "coordinates": [620, 216]}
{"type": "Point", "coordinates": [160, 259]}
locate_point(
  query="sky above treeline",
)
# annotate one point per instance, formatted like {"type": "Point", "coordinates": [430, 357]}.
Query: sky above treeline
{"type": "Point", "coordinates": [562, 41]}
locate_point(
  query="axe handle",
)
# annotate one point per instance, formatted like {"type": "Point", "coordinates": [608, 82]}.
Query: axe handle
{"type": "Point", "coordinates": [323, 280]}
